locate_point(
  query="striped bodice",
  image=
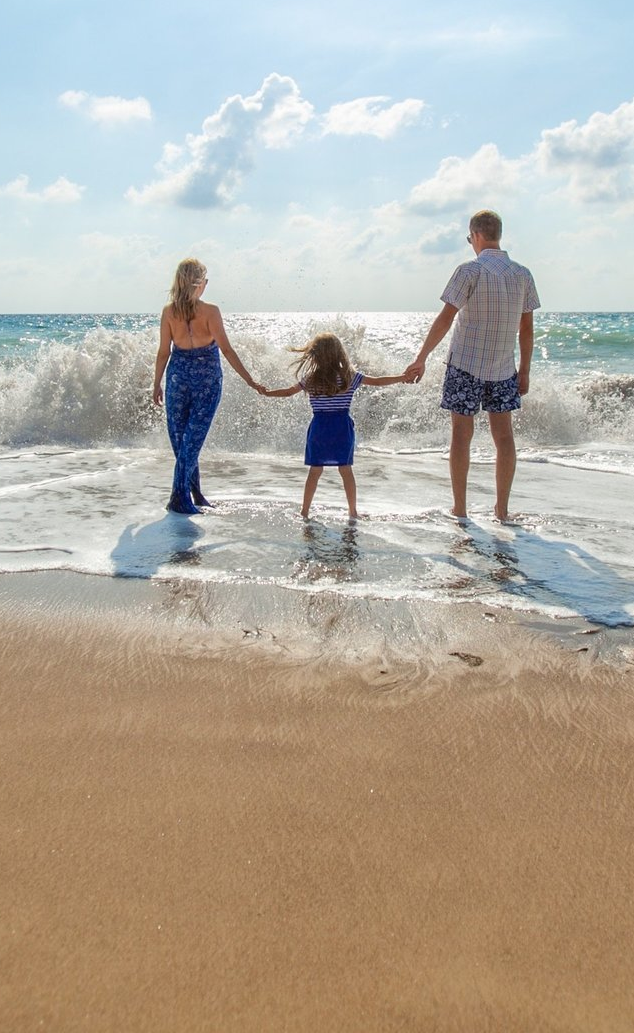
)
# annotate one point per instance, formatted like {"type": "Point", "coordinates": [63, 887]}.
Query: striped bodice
{"type": "Point", "coordinates": [335, 403]}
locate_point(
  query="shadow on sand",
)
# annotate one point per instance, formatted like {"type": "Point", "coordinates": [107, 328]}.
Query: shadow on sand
{"type": "Point", "coordinates": [142, 549]}
{"type": "Point", "coordinates": [544, 571]}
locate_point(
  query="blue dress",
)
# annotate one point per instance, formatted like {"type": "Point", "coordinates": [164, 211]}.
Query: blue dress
{"type": "Point", "coordinates": [330, 438]}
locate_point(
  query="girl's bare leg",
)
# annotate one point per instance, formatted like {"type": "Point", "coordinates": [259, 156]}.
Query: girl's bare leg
{"type": "Point", "coordinates": [350, 488]}
{"type": "Point", "coordinates": [310, 487]}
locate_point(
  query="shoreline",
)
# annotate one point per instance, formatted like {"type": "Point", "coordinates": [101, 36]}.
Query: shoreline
{"type": "Point", "coordinates": [323, 625]}
{"type": "Point", "coordinates": [209, 829]}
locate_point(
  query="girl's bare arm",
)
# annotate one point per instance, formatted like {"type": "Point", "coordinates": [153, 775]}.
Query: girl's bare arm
{"type": "Point", "coordinates": [383, 381]}
{"type": "Point", "coordinates": [283, 392]}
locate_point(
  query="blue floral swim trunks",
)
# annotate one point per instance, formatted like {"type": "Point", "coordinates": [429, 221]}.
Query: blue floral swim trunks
{"type": "Point", "coordinates": [464, 394]}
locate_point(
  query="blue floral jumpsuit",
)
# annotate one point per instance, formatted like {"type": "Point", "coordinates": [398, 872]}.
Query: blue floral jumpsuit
{"type": "Point", "coordinates": [193, 385]}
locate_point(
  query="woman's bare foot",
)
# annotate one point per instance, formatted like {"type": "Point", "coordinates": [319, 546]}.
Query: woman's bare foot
{"type": "Point", "coordinates": [200, 500]}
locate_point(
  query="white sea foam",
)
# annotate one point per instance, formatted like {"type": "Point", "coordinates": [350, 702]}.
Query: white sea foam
{"type": "Point", "coordinates": [97, 390]}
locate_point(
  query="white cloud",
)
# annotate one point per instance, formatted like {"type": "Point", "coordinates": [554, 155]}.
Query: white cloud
{"type": "Point", "coordinates": [73, 98]}
{"type": "Point", "coordinates": [135, 256]}
{"type": "Point", "coordinates": [497, 36]}
{"type": "Point", "coordinates": [596, 157]}
{"type": "Point", "coordinates": [370, 116]}
{"type": "Point", "coordinates": [132, 247]}
{"type": "Point", "coordinates": [409, 255]}
{"type": "Point", "coordinates": [338, 235]}
{"type": "Point", "coordinates": [443, 240]}
{"type": "Point", "coordinates": [341, 236]}
{"type": "Point", "coordinates": [20, 269]}
{"type": "Point", "coordinates": [107, 110]}
{"type": "Point", "coordinates": [303, 220]}
{"type": "Point", "coordinates": [467, 182]}
{"type": "Point", "coordinates": [584, 163]}
{"type": "Point", "coordinates": [364, 242]}
{"type": "Point", "coordinates": [207, 169]}
{"type": "Point", "coordinates": [62, 191]}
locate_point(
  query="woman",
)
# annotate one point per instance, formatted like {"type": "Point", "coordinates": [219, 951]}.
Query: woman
{"type": "Point", "coordinates": [192, 337]}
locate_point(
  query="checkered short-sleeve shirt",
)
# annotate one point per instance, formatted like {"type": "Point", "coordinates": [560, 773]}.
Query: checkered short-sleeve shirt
{"type": "Point", "coordinates": [490, 293]}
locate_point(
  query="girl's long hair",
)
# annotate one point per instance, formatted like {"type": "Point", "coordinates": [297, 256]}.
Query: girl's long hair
{"type": "Point", "coordinates": [324, 367]}
{"type": "Point", "coordinates": [189, 275]}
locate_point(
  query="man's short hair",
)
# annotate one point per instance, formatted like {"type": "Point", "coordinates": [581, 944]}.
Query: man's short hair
{"type": "Point", "coordinates": [488, 223]}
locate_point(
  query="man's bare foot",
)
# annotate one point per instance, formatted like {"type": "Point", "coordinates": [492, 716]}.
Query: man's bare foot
{"type": "Point", "coordinates": [458, 514]}
{"type": "Point", "coordinates": [501, 516]}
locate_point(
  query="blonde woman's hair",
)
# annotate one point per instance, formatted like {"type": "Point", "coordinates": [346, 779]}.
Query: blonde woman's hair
{"type": "Point", "coordinates": [324, 367]}
{"type": "Point", "coordinates": [189, 275]}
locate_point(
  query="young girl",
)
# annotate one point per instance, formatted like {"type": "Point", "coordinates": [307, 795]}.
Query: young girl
{"type": "Point", "coordinates": [192, 335]}
{"type": "Point", "coordinates": [325, 373]}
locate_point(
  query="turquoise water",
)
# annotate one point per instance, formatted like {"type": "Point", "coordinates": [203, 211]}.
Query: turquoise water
{"type": "Point", "coordinates": [581, 340]}
{"type": "Point", "coordinates": [22, 336]}
{"type": "Point", "coordinates": [586, 341]}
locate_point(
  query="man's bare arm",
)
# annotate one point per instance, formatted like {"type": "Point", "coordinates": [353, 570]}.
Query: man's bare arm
{"type": "Point", "coordinates": [439, 328]}
{"type": "Point", "coordinates": [526, 352]}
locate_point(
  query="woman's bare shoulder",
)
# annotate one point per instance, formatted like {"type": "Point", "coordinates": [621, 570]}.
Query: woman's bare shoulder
{"type": "Point", "coordinates": [212, 316]}
{"type": "Point", "coordinates": [209, 309]}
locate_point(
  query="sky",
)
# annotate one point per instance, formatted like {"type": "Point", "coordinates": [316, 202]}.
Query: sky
{"type": "Point", "coordinates": [315, 156]}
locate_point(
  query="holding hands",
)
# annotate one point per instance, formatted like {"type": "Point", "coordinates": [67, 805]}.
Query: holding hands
{"type": "Point", "coordinates": [260, 388]}
{"type": "Point", "coordinates": [286, 392]}
{"type": "Point", "coordinates": [415, 371]}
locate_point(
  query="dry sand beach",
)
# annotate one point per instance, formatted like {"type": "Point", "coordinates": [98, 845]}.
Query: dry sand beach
{"type": "Point", "coordinates": [214, 833]}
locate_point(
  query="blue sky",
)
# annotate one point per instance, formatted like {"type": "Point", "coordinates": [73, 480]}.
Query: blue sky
{"type": "Point", "coordinates": [316, 157]}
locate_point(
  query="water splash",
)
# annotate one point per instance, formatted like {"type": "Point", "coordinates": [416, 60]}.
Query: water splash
{"type": "Point", "coordinates": [91, 386]}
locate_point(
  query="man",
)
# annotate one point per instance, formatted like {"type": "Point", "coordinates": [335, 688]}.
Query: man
{"type": "Point", "coordinates": [493, 298]}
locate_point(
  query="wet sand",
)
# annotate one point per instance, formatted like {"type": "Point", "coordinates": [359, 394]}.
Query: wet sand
{"type": "Point", "coordinates": [207, 836]}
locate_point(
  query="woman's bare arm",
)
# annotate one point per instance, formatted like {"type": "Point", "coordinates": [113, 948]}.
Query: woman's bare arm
{"type": "Point", "coordinates": [162, 357]}
{"type": "Point", "coordinates": [219, 335]}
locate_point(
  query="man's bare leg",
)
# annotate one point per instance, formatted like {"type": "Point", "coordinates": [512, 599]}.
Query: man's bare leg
{"type": "Point", "coordinates": [459, 454]}
{"type": "Point", "coordinates": [501, 424]}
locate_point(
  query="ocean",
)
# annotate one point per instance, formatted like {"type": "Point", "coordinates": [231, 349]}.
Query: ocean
{"type": "Point", "coordinates": [85, 473]}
